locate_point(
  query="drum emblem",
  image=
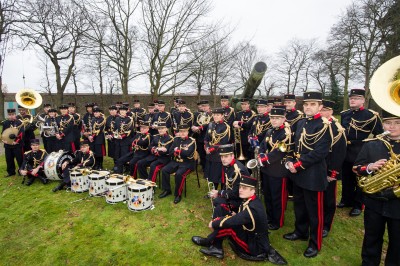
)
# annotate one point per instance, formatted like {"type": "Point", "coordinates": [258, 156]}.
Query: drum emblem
{"type": "Point", "coordinates": [50, 163]}
{"type": "Point", "coordinates": [136, 200]}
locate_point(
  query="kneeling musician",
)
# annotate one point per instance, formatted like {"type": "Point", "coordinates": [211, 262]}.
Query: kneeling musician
{"type": "Point", "coordinates": [32, 165]}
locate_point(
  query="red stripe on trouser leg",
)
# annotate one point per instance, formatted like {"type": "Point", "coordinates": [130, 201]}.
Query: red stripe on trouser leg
{"type": "Point", "coordinates": [225, 206]}
{"type": "Point", "coordinates": [154, 177]}
{"type": "Point", "coordinates": [283, 202]}
{"type": "Point", "coordinates": [183, 181]}
{"type": "Point", "coordinates": [222, 176]}
{"type": "Point", "coordinates": [73, 146]}
{"type": "Point", "coordinates": [103, 149]}
{"type": "Point", "coordinates": [135, 171]}
{"type": "Point", "coordinates": [320, 219]}
{"type": "Point", "coordinates": [230, 232]}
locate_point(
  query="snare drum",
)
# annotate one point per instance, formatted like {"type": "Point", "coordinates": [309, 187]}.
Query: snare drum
{"type": "Point", "coordinates": [79, 182]}
{"type": "Point", "coordinates": [116, 190]}
{"type": "Point", "coordinates": [97, 183]}
{"type": "Point", "coordinates": [53, 164]}
{"type": "Point", "coordinates": [140, 197]}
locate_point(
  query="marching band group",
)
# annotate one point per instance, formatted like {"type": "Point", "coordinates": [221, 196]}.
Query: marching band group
{"type": "Point", "coordinates": [298, 155]}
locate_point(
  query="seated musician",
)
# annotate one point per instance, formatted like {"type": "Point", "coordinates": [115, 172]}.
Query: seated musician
{"type": "Point", "coordinates": [247, 229]}
{"type": "Point", "coordinates": [382, 207]}
{"type": "Point", "coordinates": [183, 150]}
{"type": "Point", "coordinates": [159, 154]}
{"type": "Point", "coordinates": [83, 158]}
{"type": "Point", "coordinates": [227, 200]}
{"type": "Point", "coordinates": [32, 165]}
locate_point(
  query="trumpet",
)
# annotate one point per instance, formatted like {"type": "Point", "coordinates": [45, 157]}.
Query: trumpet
{"type": "Point", "coordinates": [255, 163]}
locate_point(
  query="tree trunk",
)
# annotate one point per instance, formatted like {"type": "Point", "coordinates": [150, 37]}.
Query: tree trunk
{"type": "Point", "coordinates": [2, 96]}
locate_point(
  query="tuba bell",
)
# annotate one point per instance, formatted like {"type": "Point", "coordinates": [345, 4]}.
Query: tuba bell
{"type": "Point", "coordinates": [28, 98]}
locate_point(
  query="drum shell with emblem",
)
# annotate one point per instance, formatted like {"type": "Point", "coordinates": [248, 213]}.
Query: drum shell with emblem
{"type": "Point", "coordinates": [97, 183]}
{"type": "Point", "coordinates": [79, 182]}
{"type": "Point", "coordinates": [116, 190]}
{"type": "Point", "coordinates": [140, 197]}
{"type": "Point", "coordinates": [53, 164]}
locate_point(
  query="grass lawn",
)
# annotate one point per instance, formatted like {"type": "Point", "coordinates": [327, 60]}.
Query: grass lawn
{"type": "Point", "coordinates": [39, 227]}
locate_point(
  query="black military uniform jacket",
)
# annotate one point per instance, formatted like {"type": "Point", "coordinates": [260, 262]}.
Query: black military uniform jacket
{"type": "Point", "coordinates": [33, 159]}
{"type": "Point", "coordinates": [139, 114]}
{"type": "Point", "coordinates": [270, 145]}
{"type": "Point", "coordinates": [51, 122]}
{"type": "Point", "coordinates": [77, 125]}
{"type": "Point", "coordinates": [359, 124]}
{"type": "Point", "coordinates": [183, 118]}
{"type": "Point", "coordinates": [252, 221]}
{"type": "Point", "coordinates": [141, 144]}
{"type": "Point", "coordinates": [245, 119]}
{"type": "Point", "coordinates": [86, 120]}
{"type": "Point", "coordinates": [337, 152]}
{"type": "Point", "coordinates": [229, 115]}
{"type": "Point", "coordinates": [65, 125]}
{"type": "Point", "coordinates": [371, 152]}
{"type": "Point", "coordinates": [16, 123]}
{"type": "Point", "coordinates": [312, 144]}
{"type": "Point", "coordinates": [233, 173]}
{"type": "Point", "coordinates": [161, 141]}
{"type": "Point", "coordinates": [124, 129]}
{"type": "Point", "coordinates": [110, 125]}
{"type": "Point", "coordinates": [217, 134]}
{"type": "Point", "coordinates": [261, 124]}
{"type": "Point", "coordinates": [162, 117]}
{"type": "Point", "coordinates": [83, 159]}
{"type": "Point", "coordinates": [29, 127]}
{"type": "Point", "coordinates": [185, 150]}
{"type": "Point", "coordinates": [293, 117]}
{"type": "Point", "coordinates": [98, 125]}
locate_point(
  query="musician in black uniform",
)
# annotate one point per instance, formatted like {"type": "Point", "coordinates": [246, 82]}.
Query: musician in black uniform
{"type": "Point", "coordinates": [308, 172]}
{"type": "Point", "coordinates": [227, 200]}
{"type": "Point", "coordinates": [83, 158]}
{"type": "Point", "coordinates": [382, 208]}
{"type": "Point", "coordinates": [149, 117]}
{"type": "Point", "coordinates": [359, 124]}
{"type": "Point", "coordinates": [161, 116]}
{"type": "Point", "coordinates": [174, 108]}
{"type": "Point", "coordinates": [109, 131]}
{"type": "Point", "coordinates": [247, 229]}
{"type": "Point", "coordinates": [42, 118]}
{"type": "Point", "coordinates": [86, 120]}
{"type": "Point", "coordinates": [334, 162]}
{"type": "Point", "coordinates": [229, 112]}
{"type": "Point", "coordinates": [140, 147]}
{"type": "Point", "coordinates": [139, 113]}
{"type": "Point", "coordinates": [49, 135]}
{"type": "Point", "coordinates": [183, 162]}
{"type": "Point", "coordinates": [159, 154]}
{"type": "Point", "coordinates": [97, 139]}
{"type": "Point", "coordinates": [200, 125]}
{"type": "Point", "coordinates": [292, 114]}
{"type": "Point", "coordinates": [13, 151]}
{"type": "Point", "coordinates": [128, 112]}
{"type": "Point", "coordinates": [123, 133]}
{"type": "Point", "coordinates": [77, 125]}
{"type": "Point", "coordinates": [65, 134]}
{"type": "Point", "coordinates": [274, 148]}
{"type": "Point", "coordinates": [32, 165]}
{"type": "Point", "coordinates": [182, 117]}
{"type": "Point", "coordinates": [29, 128]}
{"type": "Point", "coordinates": [218, 133]}
{"type": "Point", "coordinates": [243, 122]}
{"type": "Point", "coordinates": [260, 125]}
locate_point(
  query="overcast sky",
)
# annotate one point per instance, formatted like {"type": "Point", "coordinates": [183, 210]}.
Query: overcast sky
{"type": "Point", "coordinates": [270, 24]}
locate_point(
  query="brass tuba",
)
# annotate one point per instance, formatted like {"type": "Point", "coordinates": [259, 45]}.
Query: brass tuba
{"type": "Point", "coordinates": [29, 99]}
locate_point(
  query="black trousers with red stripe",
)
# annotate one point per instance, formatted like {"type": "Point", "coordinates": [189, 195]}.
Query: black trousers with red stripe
{"type": "Point", "coordinates": [351, 193]}
{"type": "Point", "coordinates": [142, 166]}
{"type": "Point", "coordinates": [275, 198]}
{"type": "Point", "coordinates": [15, 152]}
{"type": "Point", "coordinates": [133, 164]}
{"type": "Point", "coordinates": [223, 207]}
{"type": "Point", "coordinates": [329, 204]}
{"type": "Point", "coordinates": [181, 170]}
{"type": "Point", "coordinates": [236, 235]}
{"type": "Point", "coordinates": [309, 213]}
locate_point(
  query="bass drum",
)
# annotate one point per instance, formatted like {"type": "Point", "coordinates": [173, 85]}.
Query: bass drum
{"type": "Point", "coordinates": [53, 164]}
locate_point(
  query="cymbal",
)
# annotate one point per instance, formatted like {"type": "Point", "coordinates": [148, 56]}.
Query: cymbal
{"type": "Point", "coordinates": [9, 135]}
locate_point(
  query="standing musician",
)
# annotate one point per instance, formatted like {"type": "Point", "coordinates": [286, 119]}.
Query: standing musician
{"type": "Point", "coordinates": [243, 122]}
{"type": "Point", "coordinates": [308, 173]}
{"type": "Point", "coordinates": [83, 158]}
{"type": "Point", "coordinates": [196, 114]}
{"type": "Point", "coordinates": [200, 125]}
{"type": "Point", "coordinates": [261, 123]}
{"type": "Point", "coordinates": [110, 129]}
{"type": "Point", "coordinates": [65, 133]}
{"type": "Point", "coordinates": [139, 113]}
{"type": "Point", "coordinates": [227, 200]}
{"type": "Point", "coordinates": [218, 133]}
{"type": "Point", "coordinates": [118, 104]}
{"type": "Point", "coordinates": [42, 117]}
{"type": "Point", "coordinates": [229, 112]}
{"type": "Point", "coordinates": [86, 120]}
{"type": "Point", "coordinates": [159, 154]}
{"type": "Point", "coordinates": [377, 158]}
{"type": "Point", "coordinates": [123, 133]}
{"type": "Point", "coordinates": [334, 162]}
{"type": "Point", "coordinates": [161, 116]}
{"type": "Point", "coordinates": [49, 135]}
{"type": "Point", "coordinates": [174, 109]}
{"type": "Point", "coordinates": [183, 161]}
{"type": "Point", "coordinates": [149, 117]}
{"type": "Point", "coordinates": [97, 139]}
{"type": "Point", "coordinates": [359, 124]}
{"type": "Point", "coordinates": [77, 124]}
{"type": "Point", "coordinates": [128, 112]}
{"type": "Point", "coordinates": [13, 151]}
{"type": "Point", "coordinates": [247, 229]}
{"type": "Point", "coordinates": [292, 114]}
{"type": "Point", "coordinates": [274, 148]}
{"type": "Point", "coordinates": [29, 128]}
{"type": "Point", "coordinates": [182, 117]}
{"type": "Point", "coordinates": [32, 165]}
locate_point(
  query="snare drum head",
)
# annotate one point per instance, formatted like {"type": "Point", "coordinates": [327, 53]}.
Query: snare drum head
{"type": "Point", "coordinates": [138, 188]}
{"type": "Point", "coordinates": [114, 181]}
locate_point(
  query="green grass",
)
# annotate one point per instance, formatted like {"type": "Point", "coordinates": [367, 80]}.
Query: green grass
{"type": "Point", "coordinates": [39, 227]}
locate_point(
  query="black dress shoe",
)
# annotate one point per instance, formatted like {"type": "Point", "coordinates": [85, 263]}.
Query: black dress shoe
{"type": "Point", "coordinates": [201, 241]}
{"type": "Point", "coordinates": [325, 233]}
{"type": "Point", "coordinates": [273, 227]}
{"type": "Point", "coordinates": [9, 175]}
{"type": "Point", "coordinates": [276, 258]}
{"type": "Point", "coordinates": [355, 212]}
{"type": "Point", "coordinates": [310, 252]}
{"type": "Point", "coordinates": [164, 194]}
{"type": "Point", "coordinates": [177, 199]}
{"type": "Point", "coordinates": [59, 187]}
{"type": "Point", "coordinates": [213, 251]}
{"type": "Point", "coordinates": [293, 236]}
{"type": "Point", "coordinates": [43, 180]}
{"type": "Point", "coordinates": [30, 181]}
{"type": "Point", "coordinates": [342, 205]}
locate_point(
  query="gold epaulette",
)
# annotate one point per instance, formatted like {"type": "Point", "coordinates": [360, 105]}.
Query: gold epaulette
{"type": "Point", "coordinates": [370, 139]}
{"type": "Point", "coordinates": [344, 111]}
{"type": "Point", "coordinates": [374, 112]}
{"type": "Point", "coordinates": [27, 152]}
{"type": "Point", "coordinates": [325, 120]}
{"type": "Point", "coordinates": [300, 112]}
